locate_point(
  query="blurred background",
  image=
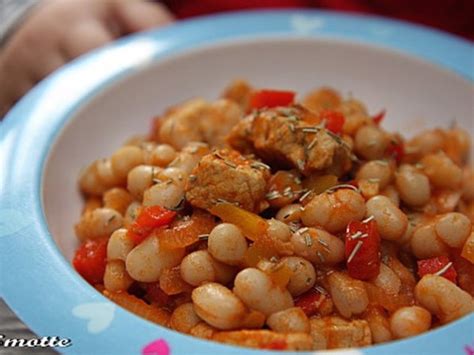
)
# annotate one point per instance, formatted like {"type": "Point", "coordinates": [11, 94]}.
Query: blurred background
{"type": "Point", "coordinates": [82, 25]}
{"type": "Point", "coordinates": [455, 16]}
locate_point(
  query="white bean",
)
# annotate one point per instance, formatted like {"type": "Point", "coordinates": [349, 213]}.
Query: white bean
{"type": "Point", "coordinates": [425, 243]}
{"type": "Point", "coordinates": [391, 221]}
{"type": "Point", "coordinates": [186, 162]}
{"type": "Point", "coordinates": [90, 183]}
{"type": "Point", "coordinates": [147, 148]}
{"type": "Point", "coordinates": [119, 245]}
{"type": "Point", "coordinates": [442, 171]}
{"type": "Point", "coordinates": [124, 160]}
{"type": "Point", "coordinates": [333, 211]}
{"type": "Point", "coordinates": [453, 229]}
{"type": "Point", "coordinates": [227, 244]}
{"type": "Point", "coordinates": [443, 298]}
{"type": "Point", "coordinates": [427, 142]}
{"type": "Point", "coordinates": [378, 170]}
{"type": "Point", "coordinates": [118, 199]}
{"type": "Point", "coordinates": [141, 178]}
{"type": "Point", "coordinates": [176, 175]}
{"type": "Point", "coordinates": [370, 142]}
{"type": "Point", "coordinates": [116, 277]}
{"type": "Point", "coordinates": [218, 306]}
{"type": "Point", "coordinates": [413, 186]}
{"type": "Point", "coordinates": [291, 320]}
{"type": "Point", "coordinates": [257, 291]}
{"type": "Point", "coordinates": [200, 267]}
{"type": "Point", "coordinates": [289, 213]}
{"type": "Point", "coordinates": [163, 194]}
{"type": "Point", "coordinates": [349, 295]}
{"type": "Point", "coordinates": [388, 280]}
{"type": "Point", "coordinates": [147, 260]}
{"type": "Point", "coordinates": [101, 222]}
{"type": "Point", "coordinates": [410, 321]}
{"type": "Point", "coordinates": [368, 188]}
{"type": "Point", "coordinates": [303, 276]}
{"type": "Point", "coordinates": [278, 230]}
{"type": "Point", "coordinates": [197, 268]}
{"type": "Point", "coordinates": [105, 173]}
{"type": "Point", "coordinates": [162, 155]}
{"type": "Point", "coordinates": [318, 246]}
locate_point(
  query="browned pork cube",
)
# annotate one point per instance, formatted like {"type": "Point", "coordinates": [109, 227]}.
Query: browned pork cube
{"type": "Point", "coordinates": [292, 137]}
{"type": "Point", "coordinates": [226, 175]}
{"type": "Point", "coordinates": [198, 121]}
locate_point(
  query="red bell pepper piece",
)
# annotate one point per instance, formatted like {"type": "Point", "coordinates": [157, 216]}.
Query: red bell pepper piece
{"type": "Point", "coordinates": [155, 216]}
{"type": "Point", "coordinates": [90, 260]}
{"type": "Point", "coordinates": [379, 117]}
{"type": "Point", "coordinates": [149, 218]}
{"type": "Point", "coordinates": [271, 98]}
{"type": "Point", "coordinates": [362, 250]}
{"type": "Point", "coordinates": [396, 150]}
{"type": "Point", "coordinates": [334, 120]}
{"type": "Point", "coordinates": [310, 301]}
{"type": "Point", "coordinates": [440, 265]}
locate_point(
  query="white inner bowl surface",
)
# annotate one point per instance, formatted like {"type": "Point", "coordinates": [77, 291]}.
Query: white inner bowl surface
{"type": "Point", "coordinates": [417, 95]}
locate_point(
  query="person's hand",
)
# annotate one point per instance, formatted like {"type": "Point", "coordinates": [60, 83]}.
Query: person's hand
{"type": "Point", "coordinates": [58, 31]}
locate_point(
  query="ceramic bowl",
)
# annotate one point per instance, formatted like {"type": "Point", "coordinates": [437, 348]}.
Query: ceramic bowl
{"type": "Point", "coordinates": [84, 111]}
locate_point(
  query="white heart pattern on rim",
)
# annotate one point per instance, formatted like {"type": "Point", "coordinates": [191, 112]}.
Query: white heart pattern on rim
{"type": "Point", "coordinates": [98, 314]}
{"type": "Point", "coordinates": [305, 24]}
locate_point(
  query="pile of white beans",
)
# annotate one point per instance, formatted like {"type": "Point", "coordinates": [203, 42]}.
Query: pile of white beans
{"type": "Point", "coordinates": [423, 207]}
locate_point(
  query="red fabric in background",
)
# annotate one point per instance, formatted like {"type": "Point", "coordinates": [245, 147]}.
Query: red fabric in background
{"type": "Point", "coordinates": [456, 16]}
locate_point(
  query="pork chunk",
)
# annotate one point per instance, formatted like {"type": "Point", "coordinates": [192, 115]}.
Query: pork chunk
{"type": "Point", "coordinates": [292, 137]}
{"type": "Point", "coordinates": [336, 333]}
{"type": "Point", "coordinates": [226, 175]}
{"type": "Point", "coordinates": [240, 137]}
{"type": "Point", "coordinates": [199, 121]}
